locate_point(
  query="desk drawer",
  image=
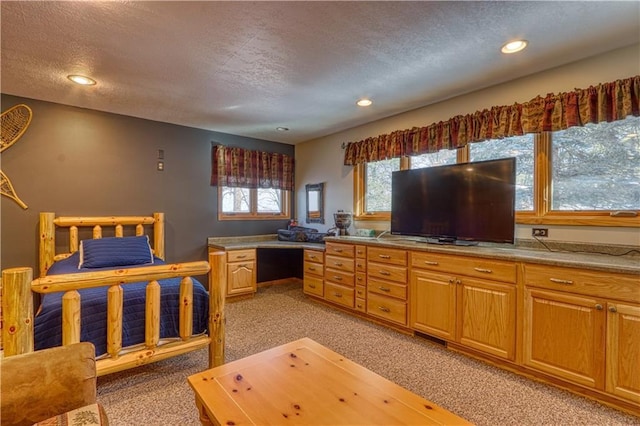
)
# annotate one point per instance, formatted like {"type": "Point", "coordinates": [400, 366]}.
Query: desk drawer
{"type": "Point", "coordinates": [241, 255]}
{"type": "Point", "coordinates": [314, 268]}
{"type": "Point", "coordinates": [387, 288]}
{"type": "Point", "coordinates": [581, 281]}
{"type": "Point", "coordinates": [314, 256]}
{"type": "Point", "coordinates": [387, 308]}
{"type": "Point", "coordinates": [459, 265]}
{"type": "Point", "coordinates": [339, 294]}
{"type": "Point", "coordinates": [343, 278]}
{"type": "Point", "coordinates": [339, 249]}
{"type": "Point", "coordinates": [340, 263]}
{"type": "Point", "coordinates": [387, 272]}
{"type": "Point", "coordinates": [387, 255]}
{"type": "Point", "coordinates": [314, 285]}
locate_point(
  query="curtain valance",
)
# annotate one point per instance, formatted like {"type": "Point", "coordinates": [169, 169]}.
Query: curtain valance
{"type": "Point", "coordinates": [604, 102]}
{"type": "Point", "coordinates": [238, 167]}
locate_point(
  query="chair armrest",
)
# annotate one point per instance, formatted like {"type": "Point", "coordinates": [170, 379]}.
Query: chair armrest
{"type": "Point", "coordinates": [42, 384]}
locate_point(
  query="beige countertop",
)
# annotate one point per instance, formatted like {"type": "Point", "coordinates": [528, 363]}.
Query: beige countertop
{"type": "Point", "coordinates": [629, 264]}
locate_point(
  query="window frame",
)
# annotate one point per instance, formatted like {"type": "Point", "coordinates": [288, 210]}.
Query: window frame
{"type": "Point", "coordinates": [541, 213]}
{"type": "Point", "coordinates": [253, 214]}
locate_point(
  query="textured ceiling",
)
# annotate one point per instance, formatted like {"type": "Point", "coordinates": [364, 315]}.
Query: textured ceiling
{"type": "Point", "coordinates": [248, 67]}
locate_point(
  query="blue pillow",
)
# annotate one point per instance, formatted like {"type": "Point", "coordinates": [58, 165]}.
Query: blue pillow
{"type": "Point", "coordinates": [115, 251]}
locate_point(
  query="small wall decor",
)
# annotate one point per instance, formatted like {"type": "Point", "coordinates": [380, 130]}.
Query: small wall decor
{"type": "Point", "coordinates": [14, 123]}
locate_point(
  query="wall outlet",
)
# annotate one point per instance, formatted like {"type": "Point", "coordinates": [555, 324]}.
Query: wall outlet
{"type": "Point", "coordinates": [540, 232]}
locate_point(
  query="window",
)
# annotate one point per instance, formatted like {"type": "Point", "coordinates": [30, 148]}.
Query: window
{"type": "Point", "coordinates": [581, 175]}
{"type": "Point", "coordinates": [246, 203]}
{"type": "Point", "coordinates": [596, 167]}
{"type": "Point", "coordinates": [521, 147]}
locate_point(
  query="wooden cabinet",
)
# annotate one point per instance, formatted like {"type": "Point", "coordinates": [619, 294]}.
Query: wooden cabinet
{"type": "Point", "coordinates": [313, 272]}
{"type": "Point", "coordinates": [339, 274]}
{"type": "Point", "coordinates": [623, 351]}
{"type": "Point", "coordinates": [584, 326]}
{"type": "Point", "coordinates": [387, 284]}
{"type": "Point", "coordinates": [241, 272]}
{"type": "Point", "coordinates": [448, 302]}
{"type": "Point", "coordinates": [360, 303]}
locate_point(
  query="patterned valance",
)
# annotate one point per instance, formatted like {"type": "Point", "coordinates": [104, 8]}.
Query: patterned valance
{"type": "Point", "coordinates": [238, 167]}
{"type": "Point", "coordinates": [604, 102]}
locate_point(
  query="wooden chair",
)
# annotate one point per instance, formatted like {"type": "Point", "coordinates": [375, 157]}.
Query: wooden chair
{"type": "Point", "coordinates": [50, 384]}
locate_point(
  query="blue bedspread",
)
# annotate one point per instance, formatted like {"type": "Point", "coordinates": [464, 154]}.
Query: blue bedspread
{"type": "Point", "coordinates": [93, 323]}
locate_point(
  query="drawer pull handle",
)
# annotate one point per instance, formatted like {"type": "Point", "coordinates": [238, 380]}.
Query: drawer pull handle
{"type": "Point", "coordinates": [429, 262]}
{"type": "Point", "coordinates": [483, 270]}
{"type": "Point", "coordinates": [559, 281]}
{"type": "Point", "coordinates": [338, 263]}
{"type": "Point", "coordinates": [613, 309]}
{"type": "Point", "coordinates": [384, 256]}
{"type": "Point", "coordinates": [337, 278]}
{"type": "Point", "coordinates": [359, 252]}
{"type": "Point", "coordinates": [312, 257]}
{"type": "Point", "coordinates": [387, 289]}
{"type": "Point", "coordinates": [384, 309]}
{"type": "Point", "coordinates": [337, 294]}
{"type": "Point", "coordinates": [241, 256]}
{"type": "Point", "coordinates": [338, 250]}
{"type": "Point", "coordinates": [311, 268]}
{"type": "Point", "coordinates": [598, 307]}
{"type": "Point", "coordinates": [359, 278]}
{"type": "Point", "coordinates": [387, 273]}
{"type": "Point", "coordinates": [312, 286]}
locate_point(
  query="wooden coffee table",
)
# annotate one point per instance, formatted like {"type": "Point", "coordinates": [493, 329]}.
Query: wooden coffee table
{"type": "Point", "coordinates": [303, 382]}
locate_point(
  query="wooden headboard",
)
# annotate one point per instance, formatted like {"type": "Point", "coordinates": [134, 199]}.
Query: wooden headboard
{"type": "Point", "coordinates": [49, 222]}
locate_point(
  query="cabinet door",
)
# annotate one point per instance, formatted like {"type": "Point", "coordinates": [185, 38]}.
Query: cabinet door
{"type": "Point", "coordinates": [564, 335]}
{"type": "Point", "coordinates": [433, 304]}
{"type": "Point", "coordinates": [487, 317]}
{"type": "Point", "coordinates": [623, 351]}
{"type": "Point", "coordinates": [241, 278]}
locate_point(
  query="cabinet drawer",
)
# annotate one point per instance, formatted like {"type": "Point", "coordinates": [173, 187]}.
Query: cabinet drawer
{"type": "Point", "coordinates": [314, 285]}
{"type": "Point", "coordinates": [387, 272]}
{"type": "Point", "coordinates": [386, 255]}
{"type": "Point", "coordinates": [589, 283]}
{"type": "Point", "coordinates": [361, 252]}
{"type": "Point", "coordinates": [339, 249]}
{"type": "Point", "coordinates": [387, 288]}
{"type": "Point", "coordinates": [314, 256]}
{"type": "Point", "coordinates": [361, 265]}
{"type": "Point", "coordinates": [459, 265]}
{"type": "Point", "coordinates": [361, 305]}
{"type": "Point", "coordinates": [340, 263]}
{"type": "Point", "coordinates": [344, 278]}
{"type": "Point", "coordinates": [313, 268]}
{"type": "Point", "coordinates": [241, 255]}
{"type": "Point", "coordinates": [361, 291]}
{"type": "Point", "coordinates": [387, 308]}
{"type": "Point", "coordinates": [339, 294]}
{"type": "Point", "coordinates": [361, 278]}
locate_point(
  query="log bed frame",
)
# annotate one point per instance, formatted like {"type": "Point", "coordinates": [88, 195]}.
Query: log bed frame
{"type": "Point", "coordinates": [18, 287]}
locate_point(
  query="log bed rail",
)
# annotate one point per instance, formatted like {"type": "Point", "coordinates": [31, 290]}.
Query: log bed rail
{"type": "Point", "coordinates": [18, 287]}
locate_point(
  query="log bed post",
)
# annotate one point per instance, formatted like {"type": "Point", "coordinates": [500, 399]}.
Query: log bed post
{"type": "Point", "coordinates": [17, 309]}
{"type": "Point", "coordinates": [47, 241]}
{"type": "Point", "coordinates": [158, 235]}
{"type": "Point", "coordinates": [217, 295]}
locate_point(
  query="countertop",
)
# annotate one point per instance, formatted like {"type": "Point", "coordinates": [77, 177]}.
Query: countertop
{"type": "Point", "coordinates": [629, 264]}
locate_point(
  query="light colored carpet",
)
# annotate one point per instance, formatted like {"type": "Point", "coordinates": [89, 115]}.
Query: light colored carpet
{"type": "Point", "coordinates": [158, 394]}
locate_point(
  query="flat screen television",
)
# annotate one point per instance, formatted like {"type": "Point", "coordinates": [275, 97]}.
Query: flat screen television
{"type": "Point", "coordinates": [456, 204]}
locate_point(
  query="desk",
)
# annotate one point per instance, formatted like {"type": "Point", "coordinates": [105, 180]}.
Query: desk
{"type": "Point", "coordinates": [303, 382]}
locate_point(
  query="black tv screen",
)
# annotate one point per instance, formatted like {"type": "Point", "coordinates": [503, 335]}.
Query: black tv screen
{"type": "Point", "coordinates": [458, 203]}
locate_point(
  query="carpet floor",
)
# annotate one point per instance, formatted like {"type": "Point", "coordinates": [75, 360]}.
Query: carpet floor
{"type": "Point", "coordinates": [158, 394]}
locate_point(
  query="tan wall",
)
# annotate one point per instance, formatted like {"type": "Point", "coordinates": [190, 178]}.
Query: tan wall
{"type": "Point", "coordinates": [320, 160]}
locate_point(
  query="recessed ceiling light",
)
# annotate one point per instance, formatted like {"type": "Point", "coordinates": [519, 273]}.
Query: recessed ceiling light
{"type": "Point", "coordinates": [81, 79]}
{"type": "Point", "coordinates": [364, 102]}
{"type": "Point", "coordinates": [514, 46]}
{"type": "Point", "coordinates": [282, 129]}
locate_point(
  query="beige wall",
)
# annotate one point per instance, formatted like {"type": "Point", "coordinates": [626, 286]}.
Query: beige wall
{"type": "Point", "coordinates": [320, 160]}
